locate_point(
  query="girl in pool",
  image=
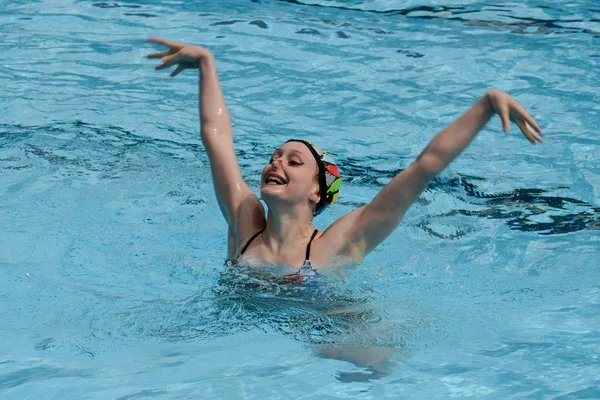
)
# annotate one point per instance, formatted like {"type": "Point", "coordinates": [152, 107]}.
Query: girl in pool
{"type": "Point", "coordinates": [301, 180]}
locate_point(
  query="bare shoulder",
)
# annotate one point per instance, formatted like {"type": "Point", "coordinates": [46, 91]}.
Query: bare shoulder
{"type": "Point", "coordinates": [338, 236]}
{"type": "Point", "coordinates": [249, 219]}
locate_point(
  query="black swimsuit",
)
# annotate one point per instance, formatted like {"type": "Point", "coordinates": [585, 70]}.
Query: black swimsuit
{"type": "Point", "coordinates": [307, 264]}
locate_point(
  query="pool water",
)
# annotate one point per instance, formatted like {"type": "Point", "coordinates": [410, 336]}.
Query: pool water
{"type": "Point", "coordinates": [112, 283]}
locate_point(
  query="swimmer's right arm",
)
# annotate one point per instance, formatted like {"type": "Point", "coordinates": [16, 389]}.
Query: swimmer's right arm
{"type": "Point", "coordinates": [233, 194]}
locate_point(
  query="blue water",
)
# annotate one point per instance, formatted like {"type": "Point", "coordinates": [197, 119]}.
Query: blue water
{"type": "Point", "coordinates": [112, 282]}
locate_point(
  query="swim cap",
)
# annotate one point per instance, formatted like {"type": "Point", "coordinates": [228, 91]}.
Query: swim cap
{"type": "Point", "coordinates": [329, 176]}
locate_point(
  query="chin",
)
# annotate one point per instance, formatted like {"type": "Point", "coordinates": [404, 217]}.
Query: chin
{"type": "Point", "coordinates": [271, 189]}
{"type": "Point", "coordinates": [270, 197]}
{"type": "Point", "coordinates": [274, 195]}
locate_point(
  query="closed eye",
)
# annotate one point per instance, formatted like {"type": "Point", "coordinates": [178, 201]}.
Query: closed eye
{"type": "Point", "coordinates": [291, 163]}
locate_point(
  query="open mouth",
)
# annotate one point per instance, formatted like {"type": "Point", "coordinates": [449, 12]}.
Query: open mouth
{"type": "Point", "coordinates": [275, 179]}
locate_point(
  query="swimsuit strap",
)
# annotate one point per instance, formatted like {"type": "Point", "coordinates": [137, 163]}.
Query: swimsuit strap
{"type": "Point", "coordinates": [250, 241]}
{"type": "Point", "coordinates": [307, 257]}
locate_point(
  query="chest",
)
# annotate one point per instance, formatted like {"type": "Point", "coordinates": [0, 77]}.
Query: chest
{"type": "Point", "coordinates": [318, 254]}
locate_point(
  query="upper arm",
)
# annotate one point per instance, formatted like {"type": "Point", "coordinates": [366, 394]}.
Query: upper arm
{"type": "Point", "coordinates": [239, 205]}
{"type": "Point", "coordinates": [228, 183]}
{"type": "Point", "coordinates": [365, 228]}
{"type": "Point", "coordinates": [235, 198]}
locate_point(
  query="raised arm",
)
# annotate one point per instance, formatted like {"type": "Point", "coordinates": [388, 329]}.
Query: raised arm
{"type": "Point", "coordinates": [233, 195]}
{"type": "Point", "coordinates": [368, 226]}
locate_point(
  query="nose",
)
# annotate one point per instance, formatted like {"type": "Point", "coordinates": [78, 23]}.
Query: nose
{"type": "Point", "coordinates": [277, 163]}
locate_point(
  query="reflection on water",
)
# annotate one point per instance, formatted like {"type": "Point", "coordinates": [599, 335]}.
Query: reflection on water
{"type": "Point", "coordinates": [109, 148]}
{"type": "Point", "coordinates": [522, 208]}
{"type": "Point", "coordinates": [107, 201]}
{"type": "Point", "coordinates": [486, 15]}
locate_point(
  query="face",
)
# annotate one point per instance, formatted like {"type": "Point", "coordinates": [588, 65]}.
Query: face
{"type": "Point", "coordinates": [291, 175]}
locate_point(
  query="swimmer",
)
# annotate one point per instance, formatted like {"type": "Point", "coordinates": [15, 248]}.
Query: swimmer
{"type": "Point", "coordinates": [301, 180]}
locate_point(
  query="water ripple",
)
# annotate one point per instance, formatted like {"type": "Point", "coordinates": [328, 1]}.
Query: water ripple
{"type": "Point", "coordinates": [111, 249]}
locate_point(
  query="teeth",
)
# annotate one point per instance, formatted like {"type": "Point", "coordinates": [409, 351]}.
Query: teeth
{"type": "Point", "coordinates": [274, 179]}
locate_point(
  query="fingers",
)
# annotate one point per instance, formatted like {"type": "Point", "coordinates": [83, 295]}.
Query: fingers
{"type": "Point", "coordinates": [158, 55]}
{"type": "Point", "coordinates": [532, 122]}
{"type": "Point", "coordinates": [164, 42]}
{"type": "Point", "coordinates": [523, 114]}
{"type": "Point", "coordinates": [168, 61]}
{"type": "Point", "coordinates": [185, 55]}
{"type": "Point", "coordinates": [536, 136]}
{"type": "Point", "coordinates": [532, 132]}
{"type": "Point", "coordinates": [525, 129]}
{"type": "Point", "coordinates": [178, 70]}
{"type": "Point", "coordinates": [529, 132]}
{"type": "Point", "coordinates": [162, 66]}
{"type": "Point", "coordinates": [527, 124]}
{"type": "Point", "coordinates": [504, 116]}
{"type": "Point", "coordinates": [510, 110]}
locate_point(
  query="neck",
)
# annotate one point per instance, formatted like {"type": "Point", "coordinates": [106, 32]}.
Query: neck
{"type": "Point", "coordinates": [287, 228]}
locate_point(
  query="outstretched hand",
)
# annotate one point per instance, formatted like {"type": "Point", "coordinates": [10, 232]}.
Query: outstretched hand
{"type": "Point", "coordinates": [510, 110]}
{"type": "Point", "coordinates": [183, 54]}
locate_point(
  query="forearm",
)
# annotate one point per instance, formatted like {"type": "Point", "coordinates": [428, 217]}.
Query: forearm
{"type": "Point", "coordinates": [450, 142]}
{"type": "Point", "coordinates": [368, 226]}
{"type": "Point", "coordinates": [214, 116]}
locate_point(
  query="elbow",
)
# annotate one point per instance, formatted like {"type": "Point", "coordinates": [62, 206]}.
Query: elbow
{"type": "Point", "coordinates": [208, 130]}
{"type": "Point", "coordinates": [212, 131]}
{"type": "Point", "coordinates": [214, 114]}
{"type": "Point", "coordinates": [430, 165]}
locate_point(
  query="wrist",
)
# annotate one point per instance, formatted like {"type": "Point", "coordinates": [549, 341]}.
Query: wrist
{"type": "Point", "coordinates": [487, 103]}
{"type": "Point", "coordinates": [207, 64]}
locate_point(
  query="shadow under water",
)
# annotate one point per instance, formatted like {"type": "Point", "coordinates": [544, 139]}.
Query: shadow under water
{"type": "Point", "coordinates": [522, 208]}
{"type": "Point", "coordinates": [321, 312]}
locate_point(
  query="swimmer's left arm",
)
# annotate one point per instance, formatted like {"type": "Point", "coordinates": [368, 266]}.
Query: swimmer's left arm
{"type": "Point", "coordinates": [368, 226]}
